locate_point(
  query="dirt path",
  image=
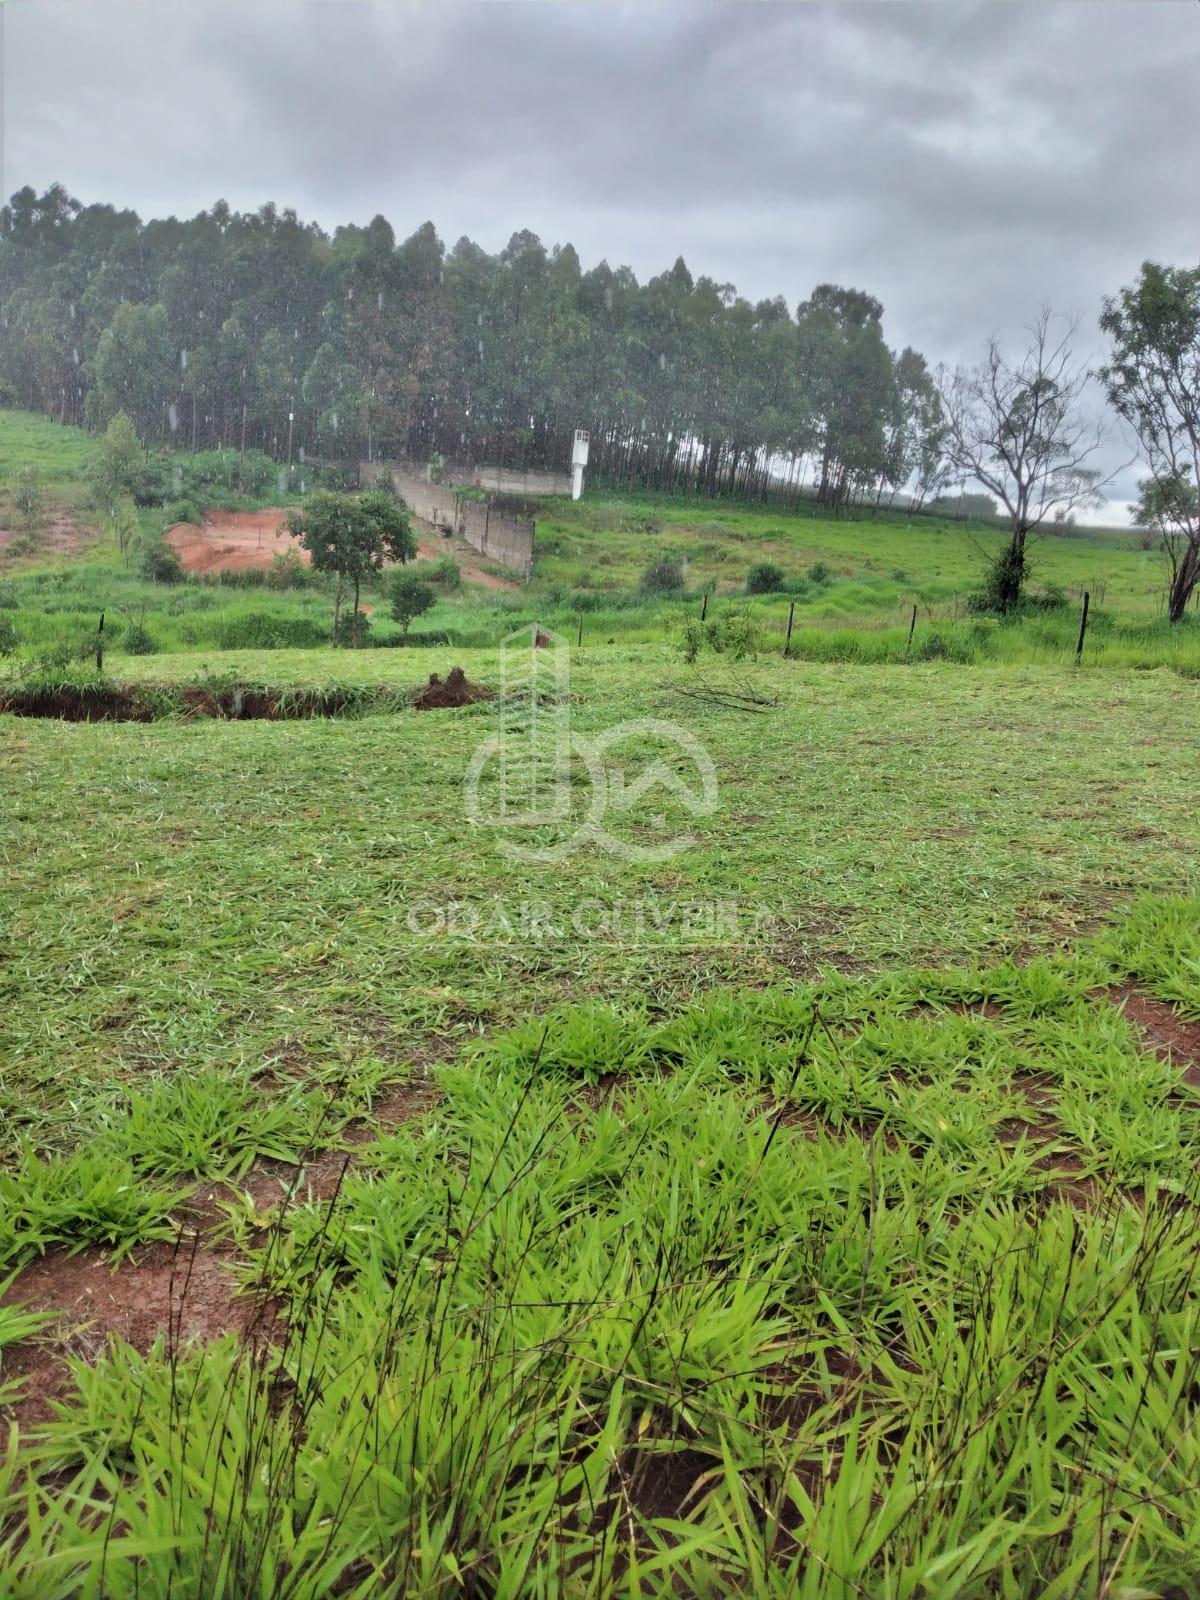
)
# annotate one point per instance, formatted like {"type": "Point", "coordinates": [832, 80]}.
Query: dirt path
{"type": "Point", "coordinates": [431, 546]}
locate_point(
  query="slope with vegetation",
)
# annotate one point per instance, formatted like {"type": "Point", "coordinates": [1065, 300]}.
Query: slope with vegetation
{"type": "Point", "coordinates": [632, 569]}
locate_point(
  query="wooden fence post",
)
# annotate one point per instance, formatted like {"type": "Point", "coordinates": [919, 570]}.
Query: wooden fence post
{"type": "Point", "coordinates": [1083, 619]}
{"type": "Point", "coordinates": [787, 643]}
{"type": "Point", "coordinates": [100, 645]}
{"type": "Point", "coordinates": [704, 608]}
{"type": "Point", "coordinates": [912, 628]}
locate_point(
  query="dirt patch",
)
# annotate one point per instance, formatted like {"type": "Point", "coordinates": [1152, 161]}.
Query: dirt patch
{"type": "Point", "coordinates": [237, 541]}
{"type": "Point", "coordinates": [182, 1291]}
{"type": "Point", "coordinates": [1167, 1033]}
{"type": "Point", "coordinates": [456, 690]}
{"type": "Point", "coordinates": [63, 536]}
{"type": "Point", "coordinates": [233, 541]}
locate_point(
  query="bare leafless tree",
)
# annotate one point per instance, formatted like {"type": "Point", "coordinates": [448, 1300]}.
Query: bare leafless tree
{"type": "Point", "coordinates": [1019, 428]}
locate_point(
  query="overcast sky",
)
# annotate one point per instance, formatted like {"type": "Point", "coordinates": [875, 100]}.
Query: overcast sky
{"type": "Point", "coordinates": [962, 161]}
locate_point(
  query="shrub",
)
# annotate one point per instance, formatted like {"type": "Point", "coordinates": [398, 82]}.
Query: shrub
{"type": "Point", "coordinates": [693, 638]}
{"type": "Point", "coordinates": [818, 573]}
{"type": "Point", "coordinates": [663, 576]}
{"type": "Point", "coordinates": [27, 495]}
{"type": "Point", "coordinates": [138, 641]}
{"type": "Point", "coordinates": [181, 511]}
{"type": "Point", "coordinates": [765, 577]}
{"type": "Point", "coordinates": [1003, 578]}
{"type": "Point", "coordinates": [410, 598]}
{"type": "Point", "coordinates": [8, 637]}
{"type": "Point", "coordinates": [150, 488]}
{"type": "Point", "coordinates": [160, 564]}
{"type": "Point", "coordinates": [732, 634]}
{"type": "Point", "coordinates": [352, 629]}
{"type": "Point", "coordinates": [1052, 597]}
{"type": "Point", "coordinates": [446, 572]}
{"type": "Point", "coordinates": [287, 571]}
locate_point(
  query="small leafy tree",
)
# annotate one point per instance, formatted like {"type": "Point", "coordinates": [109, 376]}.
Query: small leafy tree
{"type": "Point", "coordinates": [1169, 508]}
{"type": "Point", "coordinates": [410, 598]}
{"type": "Point", "coordinates": [352, 536]}
{"type": "Point", "coordinates": [117, 468]}
{"type": "Point", "coordinates": [1153, 384]}
{"type": "Point", "coordinates": [123, 526]}
{"type": "Point", "coordinates": [389, 517]}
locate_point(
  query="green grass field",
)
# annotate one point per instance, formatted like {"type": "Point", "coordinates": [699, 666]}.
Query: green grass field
{"type": "Point", "coordinates": [812, 1212]}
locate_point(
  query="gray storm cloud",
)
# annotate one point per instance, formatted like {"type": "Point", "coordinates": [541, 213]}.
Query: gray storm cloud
{"type": "Point", "coordinates": [963, 162]}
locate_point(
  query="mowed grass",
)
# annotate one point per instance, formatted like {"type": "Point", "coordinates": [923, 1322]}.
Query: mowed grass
{"type": "Point", "coordinates": [845, 1247]}
{"type": "Point", "coordinates": [180, 894]}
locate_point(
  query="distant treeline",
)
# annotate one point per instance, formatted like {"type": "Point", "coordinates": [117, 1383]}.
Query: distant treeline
{"type": "Point", "coordinates": [257, 329]}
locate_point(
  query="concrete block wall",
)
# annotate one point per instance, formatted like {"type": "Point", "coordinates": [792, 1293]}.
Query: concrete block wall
{"type": "Point", "coordinates": [498, 535]}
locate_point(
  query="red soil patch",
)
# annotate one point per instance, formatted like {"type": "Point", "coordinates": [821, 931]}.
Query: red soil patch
{"type": "Point", "coordinates": [233, 541]}
{"type": "Point", "coordinates": [236, 541]}
{"type": "Point", "coordinates": [1167, 1033]}
{"type": "Point", "coordinates": [457, 690]}
{"type": "Point", "coordinates": [183, 1292]}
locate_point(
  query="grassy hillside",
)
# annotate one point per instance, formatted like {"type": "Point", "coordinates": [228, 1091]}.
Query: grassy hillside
{"type": "Point", "coordinates": [854, 583]}
{"type": "Point", "coordinates": [57, 455]}
{"type": "Point", "coordinates": [605, 543]}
